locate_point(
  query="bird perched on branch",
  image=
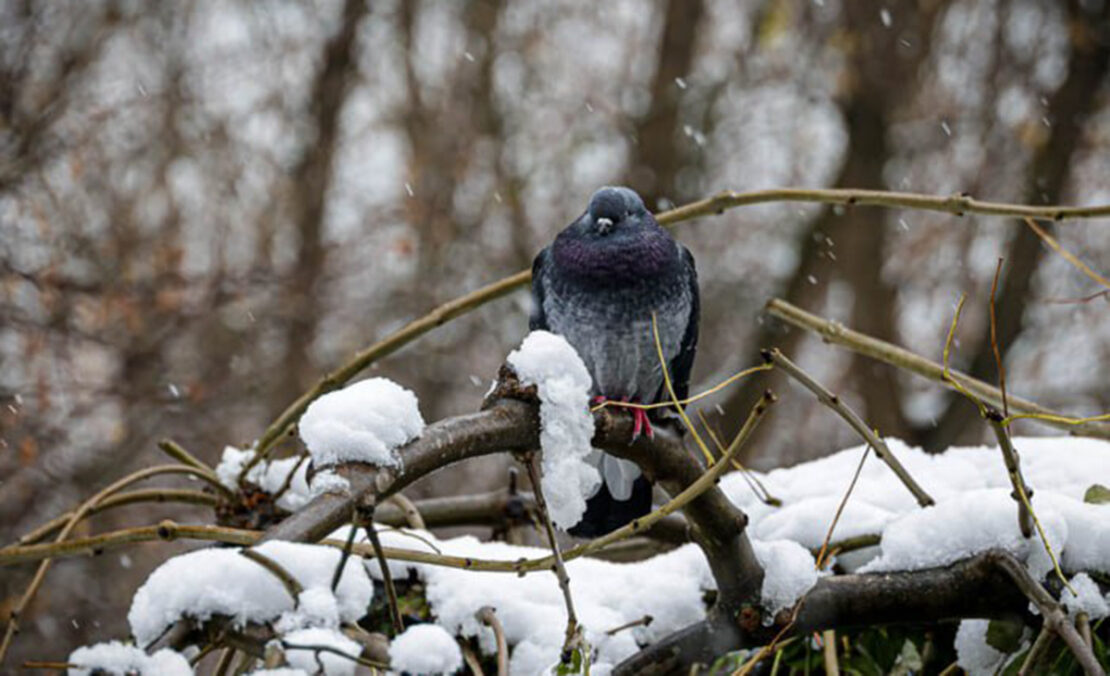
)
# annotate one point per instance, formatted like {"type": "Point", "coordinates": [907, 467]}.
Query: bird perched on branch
{"type": "Point", "coordinates": [598, 285]}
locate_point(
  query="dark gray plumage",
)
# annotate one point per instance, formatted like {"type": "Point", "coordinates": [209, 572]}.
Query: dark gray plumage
{"type": "Point", "coordinates": [597, 285]}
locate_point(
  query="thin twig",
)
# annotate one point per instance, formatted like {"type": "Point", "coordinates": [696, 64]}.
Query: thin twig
{"type": "Point", "coordinates": [573, 633]}
{"type": "Point", "coordinates": [488, 616]}
{"type": "Point", "coordinates": [78, 515]}
{"type": "Point", "coordinates": [315, 648]}
{"type": "Point", "coordinates": [346, 551]}
{"type": "Point", "coordinates": [754, 483]}
{"type": "Point", "coordinates": [471, 660]}
{"type": "Point", "coordinates": [836, 333]}
{"type": "Point", "coordinates": [840, 508]}
{"type": "Point", "coordinates": [828, 639]}
{"type": "Point", "coordinates": [387, 578]}
{"type": "Point", "coordinates": [1065, 254]}
{"type": "Point", "coordinates": [854, 421]}
{"type": "Point", "coordinates": [1013, 469]}
{"type": "Point", "coordinates": [1022, 492]}
{"type": "Point", "coordinates": [1083, 626]}
{"type": "Point", "coordinates": [674, 397]}
{"type": "Point", "coordinates": [178, 453]}
{"type": "Point", "coordinates": [994, 341]}
{"type": "Point", "coordinates": [1040, 647]}
{"type": "Point", "coordinates": [644, 621]}
{"type": "Point", "coordinates": [287, 483]}
{"type": "Point", "coordinates": [610, 403]}
{"type": "Point", "coordinates": [129, 498]}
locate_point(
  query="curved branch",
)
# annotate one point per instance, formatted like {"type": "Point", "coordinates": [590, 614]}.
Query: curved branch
{"type": "Point", "coordinates": [958, 204]}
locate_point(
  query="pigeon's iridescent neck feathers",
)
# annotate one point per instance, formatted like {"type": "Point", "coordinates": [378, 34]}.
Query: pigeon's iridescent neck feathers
{"type": "Point", "coordinates": [616, 258]}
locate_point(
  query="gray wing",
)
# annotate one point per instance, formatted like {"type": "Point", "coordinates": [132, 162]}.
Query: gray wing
{"type": "Point", "coordinates": [683, 362]}
{"type": "Point", "coordinates": [537, 321]}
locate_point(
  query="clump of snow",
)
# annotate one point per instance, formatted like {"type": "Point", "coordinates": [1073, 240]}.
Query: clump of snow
{"type": "Point", "coordinates": [269, 475]}
{"type": "Point", "coordinates": [966, 525]}
{"type": "Point", "coordinates": [973, 653]}
{"type": "Point", "coordinates": [789, 571]}
{"type": "Point", "coordinates": [310, 660]}
{"type": "Point", "coordinates": [119, 659]}
{"type": "Point", "coordinates": [1087, 598]}
{"type": "Point", "coordinates": [974, 510]}
{"type": "Point", "coordinates": [425, 649]}
{"type": "Point", "coordinates": [327, 481]}
{"type": "Point", "coordinates": [531, 608]}
{"type": "Point", "coordinates": [566, 427]}
{"type": "Point", "coordinates": [210, 582]}
{"type": "Point", "coordinates": [363, 422]}
{"type": "Point", "coordinates": [281, 671]}
{"type": "Point", "coordinates": [231, 465]}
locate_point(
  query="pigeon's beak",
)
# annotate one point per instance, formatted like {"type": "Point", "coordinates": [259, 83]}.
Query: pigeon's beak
{"type": "Point", "coordinates": [604, 225]}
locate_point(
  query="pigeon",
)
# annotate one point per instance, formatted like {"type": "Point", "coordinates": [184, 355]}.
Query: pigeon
{"type": "Point", "coordinates": [597, 285]}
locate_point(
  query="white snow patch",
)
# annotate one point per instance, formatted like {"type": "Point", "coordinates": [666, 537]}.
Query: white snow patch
{"type": "Point", "coordinates": [119, 659]}
{"type": "Point", "coordinates": [973, 653]}
{"type": "Point", "coordinates": [269, 475]}
{"type": "Point", "coordinates": [425, 649]}
{"type": "Point", "coordinates": [789, 571]}
{"type": "Point", "coordinates": [531, 608]}
{"type": "Point", "coordinates": [974, 510]}
{"type": "Point", "coordinates": [363, 422]}
{"type": "Point", "coordinates": [566, 427]}
{"type": "Point", "coordinates": [311, 660]}
{"type": "Point", "coordinates": [327, 481]}
{"type": "Point", "coordinates": [210, 582]}
{"type": "Point", "coordinates": [1087, 598]}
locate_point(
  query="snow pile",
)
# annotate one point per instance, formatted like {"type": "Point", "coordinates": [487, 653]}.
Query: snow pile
{"type": "Point", "coordinates": [1087, 598]}
{"type": "Point", "coordinates": [974, 510]}
{"type": "Point", "coordinates": [789, 571]}
{"type": "Point", "coordinates": [269, 475]}
{"type": "Point", "coordinates": [566, 426]}
{"type": "Point", "coordinates": [363, 422]}
{"type": "Point", "coordinates": [531, 609]}
{"type": "Point", "coordinates": [425, 649]}
{"type": "Point", "coordinates": [309, 659]}
{"type": "Point", "coordinates": [210, 582]}
{"type": "Point", "coordinates": [119, 660]}
{"type": "Point", "coordinates": [973, 653]}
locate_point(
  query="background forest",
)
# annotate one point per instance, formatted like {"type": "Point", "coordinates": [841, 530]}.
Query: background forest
{"type": "Point", "coordinates": [206, 205]}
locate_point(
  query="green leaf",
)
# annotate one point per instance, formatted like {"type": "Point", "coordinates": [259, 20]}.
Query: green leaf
{"type": "Point", "coordinates": [1004, 636]}
{"type": "Point", "coordinates": [1097, 494]}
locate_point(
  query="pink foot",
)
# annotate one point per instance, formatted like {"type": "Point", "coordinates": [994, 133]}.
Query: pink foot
{"type": "Point", "coordinates": [641, 423]}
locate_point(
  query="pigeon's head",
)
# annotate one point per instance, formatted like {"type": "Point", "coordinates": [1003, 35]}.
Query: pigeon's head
{"type": "Point", "coordinates": [615, 211]}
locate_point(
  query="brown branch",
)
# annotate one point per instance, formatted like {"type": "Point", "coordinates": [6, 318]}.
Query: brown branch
{"type": "Point", "coordinates": [983, 586]}
{"type": "Point", "coordinates": [836, 333]}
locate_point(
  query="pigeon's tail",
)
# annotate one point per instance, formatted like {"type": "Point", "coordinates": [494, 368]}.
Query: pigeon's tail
{"type": "Point", "coordinates": [605, 514]}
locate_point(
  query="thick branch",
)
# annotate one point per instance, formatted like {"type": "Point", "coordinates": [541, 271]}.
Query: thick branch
{"type": "Point", "coordinates": [979, 587]}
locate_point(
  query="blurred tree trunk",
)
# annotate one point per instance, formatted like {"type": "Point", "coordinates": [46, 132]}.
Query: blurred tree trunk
{"type": "Point", "coordinates": [311, 180]}
{"type": "Point", "coordinates": [850, 245]}
{"type": "Point", "coordinates": [657, 156]}
{"type": "Point", "coordinates": [1068, 110]}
